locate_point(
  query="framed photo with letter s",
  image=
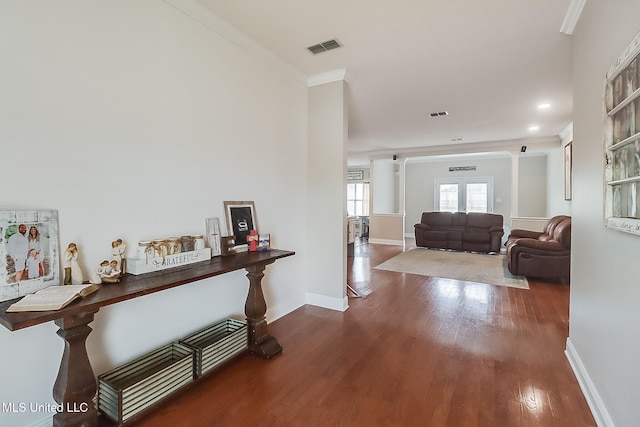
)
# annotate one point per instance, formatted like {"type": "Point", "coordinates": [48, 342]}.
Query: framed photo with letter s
{"type": "Point", "coordinates": [241, 219]}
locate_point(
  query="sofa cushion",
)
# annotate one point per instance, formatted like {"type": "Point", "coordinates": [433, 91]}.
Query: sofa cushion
{"type": "Point", "coordinates": [435, 235]}
{"type": "Point", "coordinates": [476, 237]}
{"type": "Point", "coordinates": [439, 221]}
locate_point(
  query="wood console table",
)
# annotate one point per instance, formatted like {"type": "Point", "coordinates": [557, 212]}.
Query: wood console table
{"type": "Point", "coordinates": [76, 383]}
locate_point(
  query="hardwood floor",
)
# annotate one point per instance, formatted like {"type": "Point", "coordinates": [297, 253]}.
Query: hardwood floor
{"type": "Point", "coordinates": [413, 351]}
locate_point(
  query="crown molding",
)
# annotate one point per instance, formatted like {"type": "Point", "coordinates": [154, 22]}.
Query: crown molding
{"type": "Point", "coordinates": [222, 28]}
{"type": "Point", "coordinates": [567, 133]}
{"type": "Point", "coordinates": [573, 15]}
{"type": "Point", "coordinates": [329, 77]}
{"type": "Point", "coordinates": [511, 145]}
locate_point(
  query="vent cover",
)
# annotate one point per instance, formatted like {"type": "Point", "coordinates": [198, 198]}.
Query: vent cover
{"type": "Point", "coordinates": [439, 113]}
{"type": "Point", "coordinates": [324, 46]}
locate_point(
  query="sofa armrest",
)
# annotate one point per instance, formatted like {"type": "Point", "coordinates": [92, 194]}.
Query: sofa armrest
{"type": "Point", "coordinates": [421, 226]}
{"type": "Point", "coordinates": [496, 229]}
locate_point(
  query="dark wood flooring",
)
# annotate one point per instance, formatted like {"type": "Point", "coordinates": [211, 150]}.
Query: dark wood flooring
{"type": "Point", "coordinates": [413, 351]}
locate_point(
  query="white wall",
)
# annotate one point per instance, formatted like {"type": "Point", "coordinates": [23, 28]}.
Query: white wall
{"type": "Point", "coordinates": [134, 120]}
{"type": "Point", "coordinates": [532, 186]}
{"type": "Point", "coordinates": [605, 290]}
{"type": "Point", "coordinates": [326, 279]}
{"type": "Point", "coordinates": [384, 186]}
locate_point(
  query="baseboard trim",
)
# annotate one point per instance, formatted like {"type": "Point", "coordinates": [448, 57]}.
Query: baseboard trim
{"type": "Point", "coordinates": [598, 409]}
{"type": "Point", "coordinates": [387, 242]}
{"type": "Point", "coordinates": [338, 304]}
{"type": "Point", "coordinates": [274, 313]}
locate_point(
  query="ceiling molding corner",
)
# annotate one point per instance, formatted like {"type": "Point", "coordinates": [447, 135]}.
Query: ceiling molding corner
{"type": "Point", "coordinates": [573, 15]}
{"type": "Point", "coordinates": [567, 133]}
{"type": "Point", "coordinates": [329, 77]}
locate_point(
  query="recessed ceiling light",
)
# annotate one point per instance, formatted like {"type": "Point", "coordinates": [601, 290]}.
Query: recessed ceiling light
{"type": "Point", "coordinates": [534, 128]}
{"type": "Point", "coordinates": [543, 106]}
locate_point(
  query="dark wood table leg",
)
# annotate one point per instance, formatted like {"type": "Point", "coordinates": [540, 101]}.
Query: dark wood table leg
{"type": "Point", "coordinates": [260, 342]}
{"type": "Point", "coordinates": [75, 385]}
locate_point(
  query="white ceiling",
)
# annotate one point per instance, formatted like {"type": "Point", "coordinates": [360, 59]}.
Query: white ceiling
{"type": "Point", "coordinates": [488, 63]}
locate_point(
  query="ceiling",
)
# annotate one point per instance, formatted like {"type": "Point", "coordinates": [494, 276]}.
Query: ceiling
{"type": "Point", "coordinates": [489, 64]}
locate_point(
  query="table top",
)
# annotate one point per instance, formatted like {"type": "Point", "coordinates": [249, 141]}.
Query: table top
{"type": "Point", "coordinates": [131, 286]}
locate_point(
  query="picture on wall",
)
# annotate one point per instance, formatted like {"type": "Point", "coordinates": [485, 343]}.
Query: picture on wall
{"type": "Point", "coordinates": [241, 219]}
{"type": "Point", "coordinates": [28, 252]}
{"type": "Point", "coordinates": [567, 170]}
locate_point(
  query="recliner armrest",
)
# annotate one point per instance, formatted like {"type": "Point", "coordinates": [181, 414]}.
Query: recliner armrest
{"type": "Point", "coordinates": [422, 226]}
{"type": "Point", "coordinates": [517, 233]}
{"type": "Point", "coordinates": [548, 246]}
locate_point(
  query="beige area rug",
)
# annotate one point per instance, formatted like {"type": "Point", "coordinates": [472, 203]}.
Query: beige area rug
{"type": "Point", "coordinates": [470, 267]}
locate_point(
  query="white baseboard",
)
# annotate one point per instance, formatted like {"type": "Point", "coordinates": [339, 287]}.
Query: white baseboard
{"type": "Point", "coordinates": [274, 313]}
{"type": "Point", "coordinates": [338, 304]}
{"type": "Point", "coordinates": [598, 409]}
{"type": "Point", "coordinates": [387, 242]}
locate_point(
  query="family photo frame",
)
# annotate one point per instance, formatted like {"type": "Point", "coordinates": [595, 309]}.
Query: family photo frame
{"type": "Point", "coordinates": [241, 219]}
{"type": "Point", "coordinates": [29, 258]}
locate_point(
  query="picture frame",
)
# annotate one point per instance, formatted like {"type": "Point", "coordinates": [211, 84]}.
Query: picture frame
{"type": "Point", "coordinates": [36, 250]}
{"type": "Point", "coordinates": [568, 153]}
{"type": "Point", "coordinates": [241, 219]}
{"type": "Point", "coordinates": [212, 228]}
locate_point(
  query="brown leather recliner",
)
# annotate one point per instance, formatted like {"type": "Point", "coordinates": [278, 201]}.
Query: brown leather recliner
{"type": "Point", "coordinates": [545, 254]}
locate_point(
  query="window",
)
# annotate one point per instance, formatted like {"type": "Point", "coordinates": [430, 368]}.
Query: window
{"type": "Point", "coordinates": [358, 199]}
{"type": "Point", "coordinates": [464, 194]}
{"type": "Point", "coordinates": [622, 142]}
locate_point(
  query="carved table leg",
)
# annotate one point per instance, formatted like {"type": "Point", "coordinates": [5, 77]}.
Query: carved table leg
{"type": "Point", "coordinates": [75, 385]}
{"type": "Point", "coordinates": [260, 342]}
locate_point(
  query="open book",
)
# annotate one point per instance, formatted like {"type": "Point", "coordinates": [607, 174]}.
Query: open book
{"type": "Point", "coordinates": [52, 298]}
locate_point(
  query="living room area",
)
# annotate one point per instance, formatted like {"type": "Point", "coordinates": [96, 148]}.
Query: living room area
{"type": "Point", "coordinates": [412, 350]}
{"type": "Point", "coordinates": [135, 120]}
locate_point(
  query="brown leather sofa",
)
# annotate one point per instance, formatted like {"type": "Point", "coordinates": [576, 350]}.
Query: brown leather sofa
{"type": "Point", "coordinates": [545, 254]}
{"type": "Point", "coordinates": [474, 232]}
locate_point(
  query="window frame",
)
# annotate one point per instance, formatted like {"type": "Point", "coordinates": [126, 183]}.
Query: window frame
{"type": "Point", "coordinates": [462, 183]}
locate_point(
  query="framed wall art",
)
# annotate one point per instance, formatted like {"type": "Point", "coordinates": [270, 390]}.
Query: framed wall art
{"type": "Point", "coordinates": [241, 219]}
{"type": "Point", "coordinates": [29, 259]}
{"type": "Point", "coordinates": [212, 228]}
{"type": "Point", "coordinates": [622, 142]}
{"type": "Point", "coordinates": [567, 170]}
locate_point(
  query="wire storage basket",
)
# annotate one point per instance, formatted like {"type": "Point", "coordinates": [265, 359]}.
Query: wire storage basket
{"type": "Point", "coordinates": [128, 390]}
{"type": "Point", "coordinates": [216, 344]}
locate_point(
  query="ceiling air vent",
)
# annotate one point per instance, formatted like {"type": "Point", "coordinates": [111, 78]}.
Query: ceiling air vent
{"type": "Point", "coordinates": [439, 113]}
{"type": "Point", "coordinates": [325, 46]}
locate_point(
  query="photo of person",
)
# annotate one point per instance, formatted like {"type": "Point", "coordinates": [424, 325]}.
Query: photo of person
{"type": "Point", "coordinates": [35, 243]}
{"type": "Point", "coordinates": [18, 249]}
{"type": "Point", "coordinates": [33, 264]}
{"type": "Point", "coordinates": [29, 251]}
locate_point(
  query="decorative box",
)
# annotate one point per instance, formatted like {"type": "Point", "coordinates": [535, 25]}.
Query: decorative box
{"type": "Point", "coordinates": [148, 265]}
{"type": "Point", "coordinates": [134, 387]}
{"type": "Point", "coordinates": [217, 343]}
